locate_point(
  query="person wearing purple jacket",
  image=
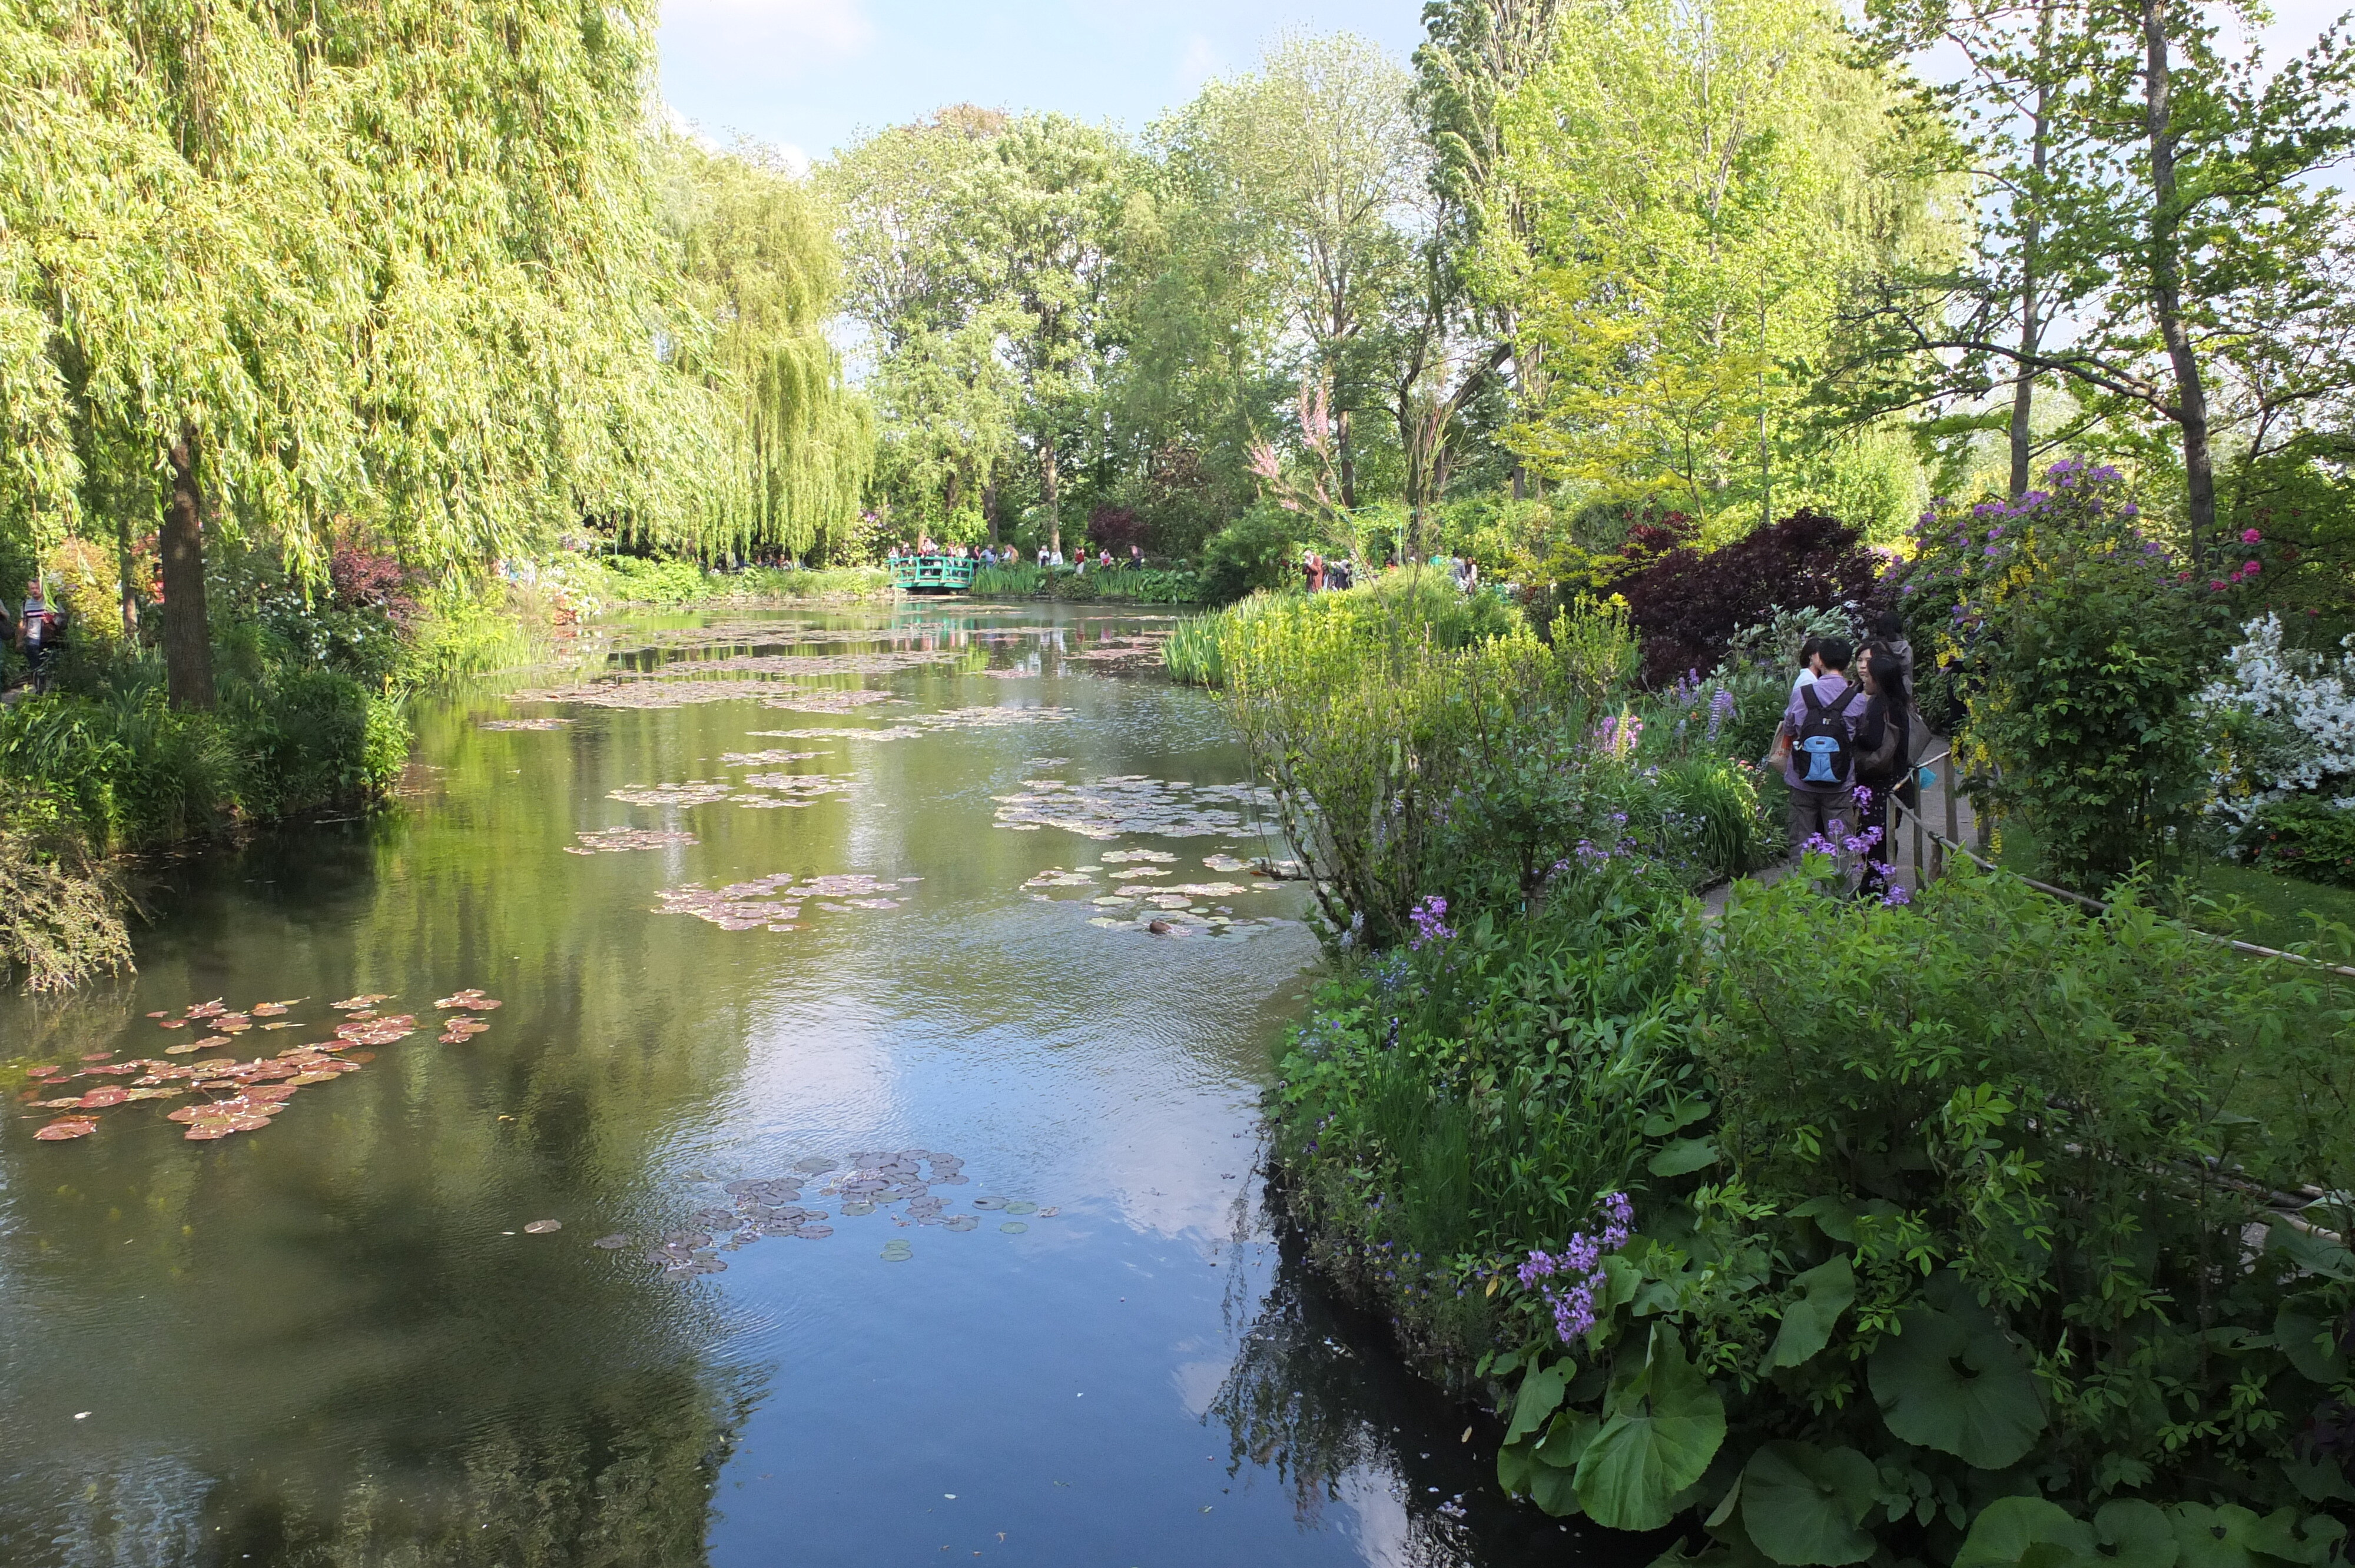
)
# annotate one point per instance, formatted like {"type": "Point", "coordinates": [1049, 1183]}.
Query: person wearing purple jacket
{"type": "Point", "coordinates": [1822, 808]}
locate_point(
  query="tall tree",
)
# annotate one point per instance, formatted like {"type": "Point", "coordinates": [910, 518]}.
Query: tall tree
{"type": "Point", "coordinates": [761, 278]}
{"type": "Point", "coordinates": [1318, 157]}
{"type": "Point", "coordinates": [2174, 221]}
{"type": "Point", "coordinates": [407, 267]}
{"type": "Point", "coordinates": [1705, 177]}
{"type": "Point", "coordinates": [1476, 54]}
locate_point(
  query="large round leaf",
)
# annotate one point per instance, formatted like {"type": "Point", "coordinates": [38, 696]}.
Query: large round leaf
{"type": "Point", "coordinates": [2136, 1534]}
{"type": "Point", "coordinates": [2025, 1532]}
{"type": "Point", "coordinates": [1802, 1504]}
{"type": "Point", "coordinates": [1665, 1426]}
{"type": "Point", "coordinates": [1952, 1382]}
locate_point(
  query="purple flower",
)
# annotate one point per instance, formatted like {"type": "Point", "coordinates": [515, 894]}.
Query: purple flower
{"type": "Point", "coordinates": [1429, 926]}
{"type": "Point", "coordinates": [1582, 1257]}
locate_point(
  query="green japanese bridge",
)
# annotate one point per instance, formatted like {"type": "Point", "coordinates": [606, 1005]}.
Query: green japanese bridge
{"type": "Point", "coordinates": [932, 574]}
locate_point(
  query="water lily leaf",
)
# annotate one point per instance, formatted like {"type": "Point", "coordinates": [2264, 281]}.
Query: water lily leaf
{"type": "Point", "coordinates": [541, 1227]}
{"type": "Point", "coordinates": [1682, 1157]}
{"type": "Point", "coordinates": [67, 1127]}
{"type": "Point", "coordinates": [1021, 1206]}
{"type": "Point", "coordinates": [1666, 1425]}
{"type": "Point", "coordinates": [1802, 1504]}
{"type": "Point", "coordinates": [1013, 1227]}
{"type": "Point", "coordinates": [1953, 1380]}
{"type": "Point", "coordinates": [1807, 1323]}
{"type": "Point", "coordinates": [1539, 1397]}
{"type": "Point", "coordinates": [2029, 1532]}
{"type": "Point", "coordinates": [612, 1243]}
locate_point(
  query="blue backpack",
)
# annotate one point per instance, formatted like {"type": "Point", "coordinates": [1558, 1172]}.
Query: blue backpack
{"type": "Point", "coordinates": [1820, 751]}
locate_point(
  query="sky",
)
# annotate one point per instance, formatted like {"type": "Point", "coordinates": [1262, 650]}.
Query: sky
{"type": "Point", "coordinates": [807, 76]}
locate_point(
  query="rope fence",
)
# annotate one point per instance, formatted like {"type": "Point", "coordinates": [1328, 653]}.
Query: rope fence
{"type": "Point", "coordinates": [1933, 866]}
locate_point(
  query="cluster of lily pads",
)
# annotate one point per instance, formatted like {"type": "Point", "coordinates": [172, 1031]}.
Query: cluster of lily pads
{"type": "Point", "coordinates": [919, 724]}
{"type": "Point", "coordinates": [775, 902]}
{"type": "Point", "coordinates": [793, 789]}
{"type": "Point", "coordinates": [616, 841]}
{"type": "Point", "coordinates": [241, 1095]}
{"type": "Point", "coordinates": [764, 1206]}
{"type": "Point", "coordinates": [533, 724]}
{"type": "Point", "coordinates": [1130, 803]}
{"type": "Point", "coordinates": [1175, 910]}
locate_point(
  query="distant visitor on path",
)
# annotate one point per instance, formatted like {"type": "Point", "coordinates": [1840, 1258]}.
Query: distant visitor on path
{"type": "Point", "coordinates": [1821, 726]}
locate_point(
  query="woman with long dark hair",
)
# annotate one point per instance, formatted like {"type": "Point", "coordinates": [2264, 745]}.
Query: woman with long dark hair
{"type": "Point", "coordinates": [1887, 741]}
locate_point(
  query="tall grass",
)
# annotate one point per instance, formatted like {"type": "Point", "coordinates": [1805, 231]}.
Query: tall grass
{"type": "Point", "coordinates": [1400, 606]}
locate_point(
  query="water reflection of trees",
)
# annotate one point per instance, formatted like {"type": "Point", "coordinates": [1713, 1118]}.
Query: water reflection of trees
{"type": "Point", "coordinates": [1317, 1394]}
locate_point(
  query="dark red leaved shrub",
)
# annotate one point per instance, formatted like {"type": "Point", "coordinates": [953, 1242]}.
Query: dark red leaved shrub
{"type": "Point", "coordinates": [362, 580]}
{"type": "Point", "coordinates": [1687, 604]}
{"type": "Point", "coordinates": [1116, 529]}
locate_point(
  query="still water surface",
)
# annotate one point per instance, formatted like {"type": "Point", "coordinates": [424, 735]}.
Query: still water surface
{"type": "Point", "coordinates": [331, 1341]}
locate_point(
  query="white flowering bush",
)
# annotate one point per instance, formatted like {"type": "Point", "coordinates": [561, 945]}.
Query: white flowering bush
{"type": "Point", "coordinates": [2285, 721]}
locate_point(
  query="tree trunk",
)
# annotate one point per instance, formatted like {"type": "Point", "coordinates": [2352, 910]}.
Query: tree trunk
{"type": "Point", "coordinates": [2031, 262]}
{"type": "Point", "coordinates": [2167, 283]}
{"type": "Point", "coordinates": [989, 505]}
{"type": "Point", "coordinates": [1050, 492]}
{"type": "Point", "coordinates": [188, 637]}
{"type": "Point", "coordinates": [1349, 464]}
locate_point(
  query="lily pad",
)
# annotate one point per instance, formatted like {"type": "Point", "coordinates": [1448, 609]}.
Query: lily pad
{"type": "Point", "coordinates": [1021, 1206]}
{"type": "Point", "coordinates": [1013, 1227]}
{"type": "Point", "coordinates": [896, 1251]}
{"type": "Point", "coordinates": [817, 1166]}
{"type": "Point", "coordinates": [990, 1202]}
{"type": "Point", "coordinates": [541, 1227]}
{"type": "Point", "coordinates": [613, 1242]}
{"type": "Point", "coordinates": [67, 1127]}
{"type": "Point", "coordinates": [813, 1233]}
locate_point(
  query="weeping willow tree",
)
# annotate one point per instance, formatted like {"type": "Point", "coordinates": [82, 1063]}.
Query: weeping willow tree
{"type": "Point", "coordinates": [761, 276]}
{"type": "Point", "coordinates": [264, 267]}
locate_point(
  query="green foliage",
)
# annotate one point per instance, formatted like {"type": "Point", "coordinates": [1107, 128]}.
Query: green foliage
{"type": "Point", "coordinates": [2082, 648]}
{"type": "Point", "coordinates": [2303, 837]}
{"type": "Point", "coordinates": [1422, 745]}
{"type": "Point", "coordinates": [60, 910]}
{"type": "Point", "coordinates": [1258, 552]}
{"type": "Point", "coordinates": [1922, 1267]}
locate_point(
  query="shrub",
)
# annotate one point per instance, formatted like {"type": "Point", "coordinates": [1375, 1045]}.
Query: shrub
{"type": "Point", "coordinates": [1688, 604]}
{"type": "Point", "coordinates": [1258, 550]}
{"type": "Point", "coordinates": [1945, 1230]}
{"type": "Point", "coordinates": [2303, 837]}
{"type": "Point", "coordinates": [310, 737]}
{"type": "Point", "coordinates": [2082, 645]}
{"type": "Point", "coordinates": [2285, 722]}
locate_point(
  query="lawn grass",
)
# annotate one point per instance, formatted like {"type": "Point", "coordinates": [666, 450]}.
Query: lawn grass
{"type": "Point", "coordinates": [2252, 904]}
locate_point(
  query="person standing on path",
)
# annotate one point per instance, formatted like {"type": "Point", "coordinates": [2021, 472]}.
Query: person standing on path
{"type": "Point", "coordinates": [1821, 722]}
{"type": "Point", "coordinates": [1889, 739]}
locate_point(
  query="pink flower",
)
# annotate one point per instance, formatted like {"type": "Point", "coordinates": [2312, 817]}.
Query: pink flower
{"type": "Point", "coordinates": [2252, 567]}
{"type": "Point", "coordinates": [2217, 585]}
{"type": "Point", "coordinates": [2250, 536]}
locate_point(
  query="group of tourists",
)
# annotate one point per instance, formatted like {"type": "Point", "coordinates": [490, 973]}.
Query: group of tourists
{"type": "Point", "coordinates": [1850, 742]}
{"type": "Point", "coordinates": [1319, 574]}
{"type": "Point", "coordinates": [1052, 559]}
{"type": "Point", "coordinates": [36, 628]}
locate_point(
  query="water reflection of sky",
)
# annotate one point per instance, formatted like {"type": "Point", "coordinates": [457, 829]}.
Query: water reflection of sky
{"type": "Point", "coordinates": [322, 1344]}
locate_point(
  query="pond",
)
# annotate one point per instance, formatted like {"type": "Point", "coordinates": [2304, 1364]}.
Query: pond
{"type": "Point", "coordinates": [887, 1062]}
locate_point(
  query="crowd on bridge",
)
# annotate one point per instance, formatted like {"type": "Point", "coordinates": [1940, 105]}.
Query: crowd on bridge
{"type": "Point", "coordinates": [1051, 558]}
